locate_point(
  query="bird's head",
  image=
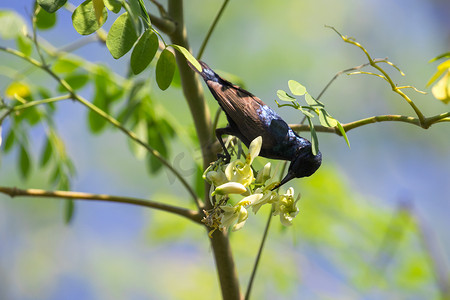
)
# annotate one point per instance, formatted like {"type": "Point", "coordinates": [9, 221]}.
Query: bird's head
{"type": "Point", "coordinates": [304, 164]}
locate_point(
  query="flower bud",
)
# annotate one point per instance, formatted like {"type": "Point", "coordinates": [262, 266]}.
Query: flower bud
{"type": "Point", "coordinates": [229, 188]}
{"type": "Point", "coordinates": [263, 174]}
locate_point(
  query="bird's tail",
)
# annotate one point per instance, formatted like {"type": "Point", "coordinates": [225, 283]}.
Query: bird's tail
{"type": "Point", "coordinates": [207, 73]}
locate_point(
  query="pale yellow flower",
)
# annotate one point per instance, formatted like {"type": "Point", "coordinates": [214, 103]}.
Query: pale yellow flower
{"type": "Point", "coordinates": [286, 207]}
{"type": "Point", "coordinates": [229, 188]}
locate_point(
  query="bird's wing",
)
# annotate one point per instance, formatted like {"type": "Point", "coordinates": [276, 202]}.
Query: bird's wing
{"type": "Point", "coordinates": [241, 107]}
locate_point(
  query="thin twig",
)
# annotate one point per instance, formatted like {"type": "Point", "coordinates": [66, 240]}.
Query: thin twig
{"type": "Point", "coordinates": [261, 246]}
{"type": "Point", "coordinates": [190, 214]}
{"type": "Point", "coordinates": [384, 75]}
{"type": "Point", "coordinates": [211, 29]}
{"type": "Point", "coordinates": [444, 117]}
{"type": "Point", "coordinates": [33, 22]}
{"type": "Point", "coordinates": [258, 257]}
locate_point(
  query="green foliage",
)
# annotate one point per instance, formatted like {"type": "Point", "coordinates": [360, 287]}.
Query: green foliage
{"type": "Point", "coordinates": [84, 19]}
{"type": "Point", "coordinates": [11, 25]}
{"type": "Point", "coordinates": [24, 162]}
{"type": "Point", "coordinates": [332, 219]}
{"type": "Point", "coordinates": [188, 56]}
{"type": "Point", "coordinates": [76, 80]}
{"type": "Point", "coordinates": [24, 45]}
{"type": "Point", "coordinates": [314, 107]}
{"type": "Point", "coordinates": [144, 51]}
{"type": "Point", "coordinates": [51, 6]}
{"type": "Point", "coordinates": [121, 36]}
{"type": "Point", "coordinates": [441, 90]}
{"type": "Point", "coordinates": [106, 92]}
{"type": "Point", "coordinates": [165, 69]}
{"type": "Point", "coordinates": [44, 19]}
{"type": "Point", "coordinates": [113, 5]}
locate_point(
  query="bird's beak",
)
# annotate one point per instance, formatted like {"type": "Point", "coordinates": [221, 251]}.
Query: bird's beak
{"type": "Point", "coordinates": [286, 178]}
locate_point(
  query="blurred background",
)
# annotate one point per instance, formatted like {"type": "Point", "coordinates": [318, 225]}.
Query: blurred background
{"type": "Point", "coordinates": [367, 218]}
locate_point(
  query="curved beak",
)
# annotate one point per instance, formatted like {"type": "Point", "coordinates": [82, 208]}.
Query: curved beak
{"type": "Point", "coordinates": [286, 178]}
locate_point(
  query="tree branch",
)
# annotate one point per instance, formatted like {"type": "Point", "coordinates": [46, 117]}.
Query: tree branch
{"type": "Point", "coordinates": [164, 24]}
{"type": "Point", "coordinates": [193, 92]}
{"type": "Point", "coordinates": [444, 117]}
{"type": "Point", "coordinates": [190, 214]}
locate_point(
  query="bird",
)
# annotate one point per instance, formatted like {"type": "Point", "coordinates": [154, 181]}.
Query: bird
{"type": "Point", "coordinates": [249, 117]}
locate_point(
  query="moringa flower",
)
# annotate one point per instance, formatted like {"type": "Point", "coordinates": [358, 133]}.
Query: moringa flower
{"type": "Point", "coordinates": [237, 215]}
{"type": "Point", "coordinates": [263, 174]}
{"type": "Point", "coordinates": [286, 207]}
{"type": "Point", "coordinates": [216, 177]}
{"type": "Point", "coordinates": [229, 188]}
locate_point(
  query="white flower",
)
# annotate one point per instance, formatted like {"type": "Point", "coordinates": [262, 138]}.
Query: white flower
{"type": "Point", "coordinates": [253, 150]}
{"type": "Point", "coordinates": [229, 188]}
{"type": "Point", "coordinates": [286, 208]}
{"type": "Point", "coordinates": [237, 215]}
{"type": "Point", "coordinates": [263, 174]}
{"type": "Point", "coordinates": [237, 171]}
{"type": "Point", "coordinates": [268, 197]}
{"type": "Point", "coordinates": [216, 177]}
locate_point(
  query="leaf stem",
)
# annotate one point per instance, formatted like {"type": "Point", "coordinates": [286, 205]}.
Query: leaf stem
{"type": "Point", "coordinates": [190, 214]}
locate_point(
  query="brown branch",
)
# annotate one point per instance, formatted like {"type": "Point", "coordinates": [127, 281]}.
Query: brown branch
{"type": "Point", "coordinates": [193, 93]}
{"type": "Point", "coordinates": [444, 117]}
{"type": "Point", "coordinates": [190, 214]}
{"type": "Point", "coordinates": [164, 24]}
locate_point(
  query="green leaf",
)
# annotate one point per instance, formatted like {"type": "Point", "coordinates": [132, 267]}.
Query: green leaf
{"type": "Point", "coordinates": [106, 92]}
{"type": "Point", "coordinates": [32, 114]}
{"type": "Point", "coordinates": [9, 141]}
{"type": "Point", "coordinates": [51, 5]}
{"type": "Point", "coordinates": [305, 112]}
{"type": "Point", "coordinates": [24, 162]}
{"type": "Point", "coordinates": [188, 56]}
{"type": "Point", "coordinates": [296, 88]}
{"type": "Point", "coordinates": [156, 140]}
{"type": "Point", "coordinates": [121, 36]}
{"type": "Point", "coordinates": [314, 139]}
{"type": "Point", "coordinates": [99, 6]}
{"type": "Point", "coordinates": [24, 45]}
{"type": "Point", "coordinates": [283, 96]}
{"type": "Point", "coordinates": [344, 134]}
{"type": "Point", "coordinates": [312, 102]}
{"type": "Point", "coordinates": [113, 5]}
{"type": "Point", "coordinates": [84, 19]}
{"type": "Point", "coordinates": [133, 8]}
{"type": "Point", "coordinates": [326, 120]}
{"type": "Point", "coordinates": [447, 54]}
{"type": "Point", "coordinates": [441, 90]}
{"type": "Point", "coordinates": [66, 64]}
{"type": "Point", "coordinates": [140, 129]}
{"type": "Point", "coordinates": [46, 153]}
{"type": "Point", "coordinates": [69, 209]}
{"type": "Point", "coordinates": [45, 20]}
{"type": "Point", "coordinates": [144, 51]}
{"type": "Point", "coordinates": [76, 81]}
{"type": "Point", "coordinates": [11, 25]}
{"type": "Point", "coordinates": [441, 68]}
{"type": "Point", "coordinates": [165, 69]}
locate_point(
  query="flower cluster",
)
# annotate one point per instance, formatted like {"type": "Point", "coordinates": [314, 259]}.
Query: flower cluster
{"type": "Point", "coordinates": [237, 177]}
